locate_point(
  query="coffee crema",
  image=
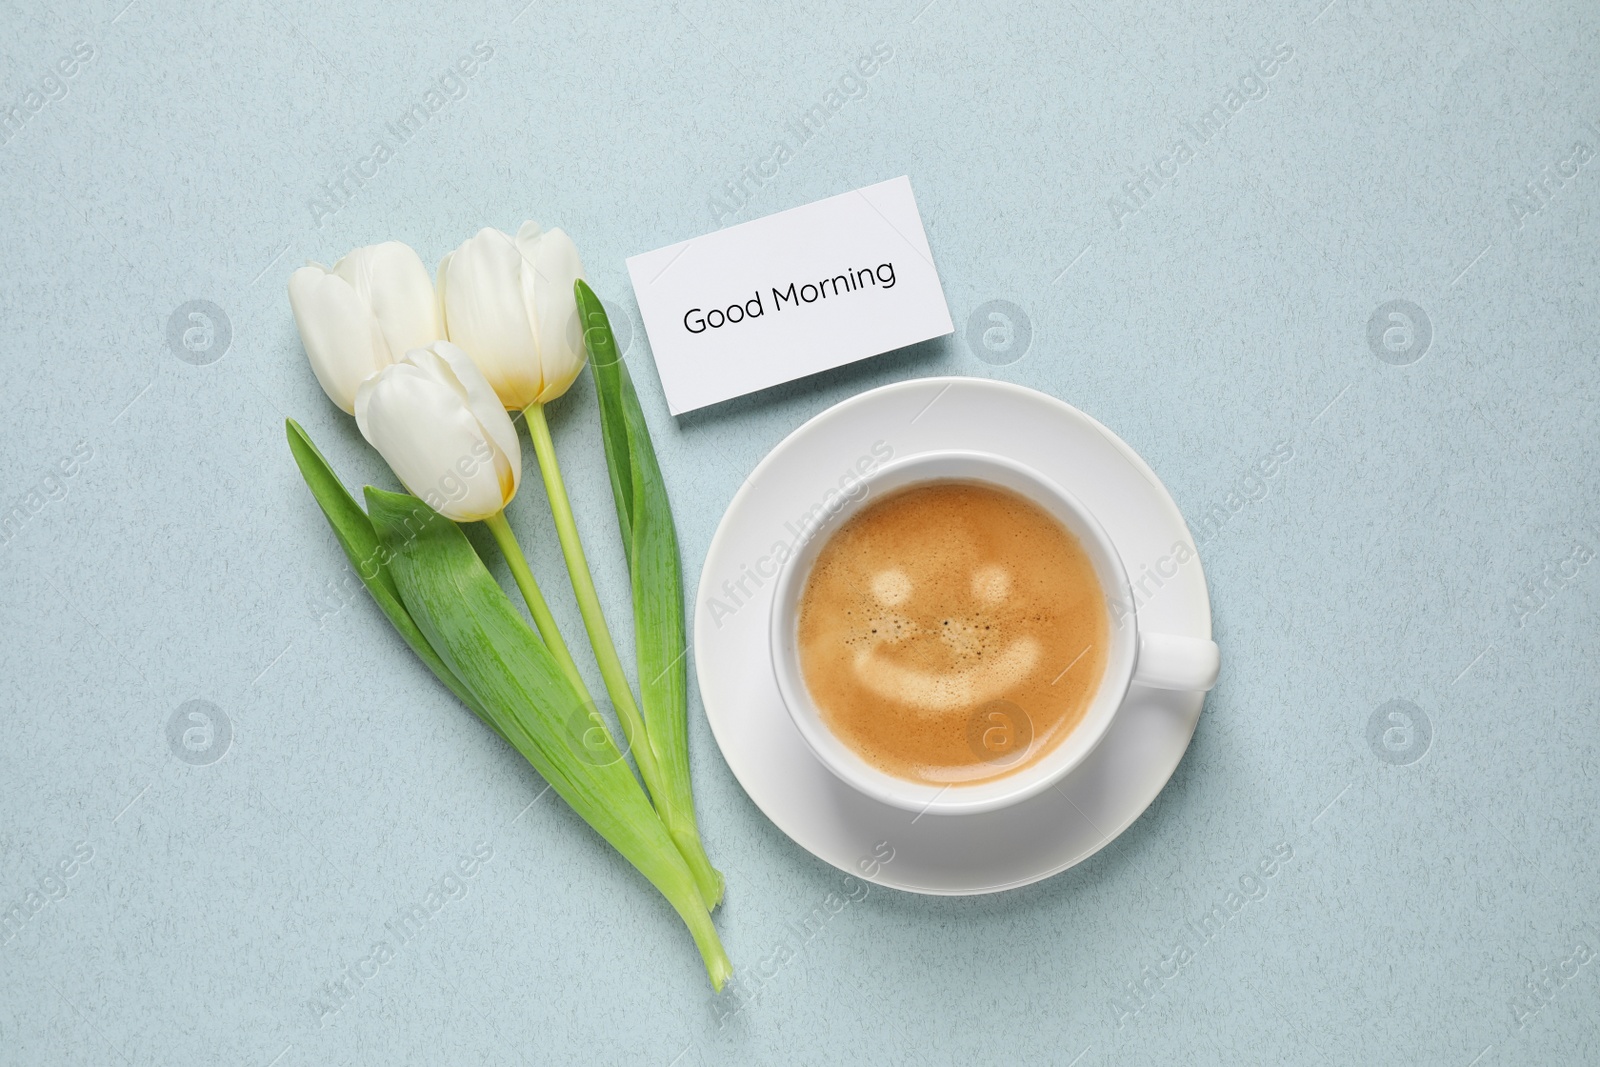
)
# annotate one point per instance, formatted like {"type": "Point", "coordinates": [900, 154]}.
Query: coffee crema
{"type": "Point", "coordinates": [952, 632]}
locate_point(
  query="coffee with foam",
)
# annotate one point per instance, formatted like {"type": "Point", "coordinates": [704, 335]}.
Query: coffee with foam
{"type": "Point", "coordinates": [952, 632]}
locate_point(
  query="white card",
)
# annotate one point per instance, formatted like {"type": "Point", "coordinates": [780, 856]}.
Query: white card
{"type": "Point", "coordinates": [784, 296]}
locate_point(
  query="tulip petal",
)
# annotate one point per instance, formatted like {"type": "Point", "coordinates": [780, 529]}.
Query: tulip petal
{"type": "Point", "coordinates": [450, 364]}
{"type": "Point", "coordinates": [391, 280]}
{"type": "Point", "coordinates": [527, 241]}
{"type": "Point", "coordinates": [432, 441]}
{"type": "Point", "coordinates": [443, 273]}
{"type": "Point", "coordinates": [554, 260]}
{"type": "Point", "coordinates": [484, 314]}
{"type": "Point", "coordinates": [341, 338]}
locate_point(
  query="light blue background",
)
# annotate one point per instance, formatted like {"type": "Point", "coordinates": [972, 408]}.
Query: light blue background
{"type": "Point", "coordinates": [185, 559]}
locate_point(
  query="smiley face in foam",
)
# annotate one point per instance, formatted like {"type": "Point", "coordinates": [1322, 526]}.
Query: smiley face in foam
{"type": "Point", "coordinates": [928, 606]}
{"type": "Point", "coordinates": [980, 667]}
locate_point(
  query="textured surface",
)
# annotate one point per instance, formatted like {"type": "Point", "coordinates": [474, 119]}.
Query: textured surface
{"type": "Point", "coordinates": [1429, 541]}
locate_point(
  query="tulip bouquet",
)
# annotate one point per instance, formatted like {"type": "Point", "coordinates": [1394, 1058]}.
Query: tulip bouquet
{"type": "Point", "coordinates": [432, 379]}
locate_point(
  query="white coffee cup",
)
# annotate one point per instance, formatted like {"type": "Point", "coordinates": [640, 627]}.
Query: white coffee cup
{"type": "Point", "coordinates": [1136, 657]}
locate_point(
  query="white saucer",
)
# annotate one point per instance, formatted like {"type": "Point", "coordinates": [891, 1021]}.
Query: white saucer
{"type": "Point", "coordinates": [943, 854]}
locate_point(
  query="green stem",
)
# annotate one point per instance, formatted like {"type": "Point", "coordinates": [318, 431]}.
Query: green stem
{"type": "Point", "coordinates": [719, 968]}
{"type": "Point", "coordinates": [542, 618]}
{"type": "Point", "coordinates": [686, 835]}
{"type": "Point", "coordinates": [594, 621]}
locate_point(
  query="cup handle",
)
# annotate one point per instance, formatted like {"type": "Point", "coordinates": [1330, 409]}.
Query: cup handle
{"type": "Point", "coordinates": [1167, 661]}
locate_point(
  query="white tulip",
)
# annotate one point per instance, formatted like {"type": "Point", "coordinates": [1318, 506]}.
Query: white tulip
{"type": "Point", "coordinates": [375, 305]}
{"type": "Point", "coordinates": [438, 423]}
{"type": "Point", "coordinates": [508, 302]}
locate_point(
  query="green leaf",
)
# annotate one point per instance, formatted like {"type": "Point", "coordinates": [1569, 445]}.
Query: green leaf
{"type": "Point", "coordinates": [484, 640]}
{"type": "Point", "coordinates": [659, 637]}
{"type": "Point", "coordinates": [644, 515]}
{"type": "Point", "coordinates": [356, 536]}
{"type": "Point", "coordinates": [610, 374]}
